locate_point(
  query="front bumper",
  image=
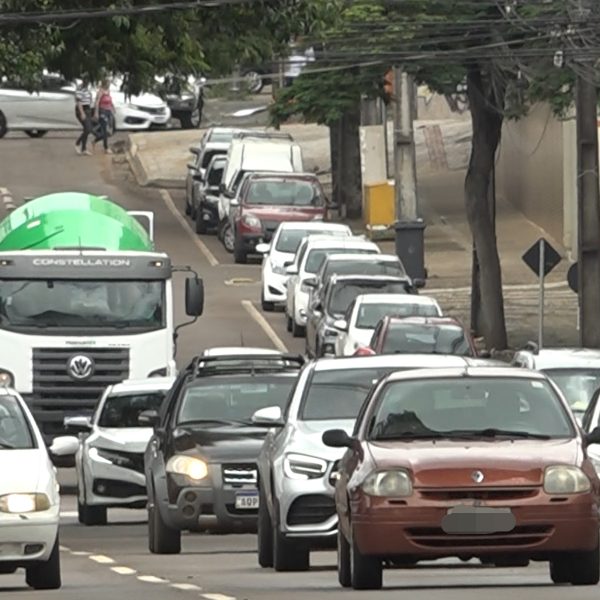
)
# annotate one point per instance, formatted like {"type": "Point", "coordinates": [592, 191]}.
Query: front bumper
{"type": "Point", "coordinates": [542, 529]}
{"type": "Point", "coordinates": [209, 212]}
{"type": "Point", "coordinates": [136, 119]}
{"type": "Point", "coordinates": [249, 241]}
{"type": "Point", "coordinates": [301, 308]}
{"type": "Point", "coordinates": [274, 286]}
{"type": "Point", "coordinates": [29, 538]}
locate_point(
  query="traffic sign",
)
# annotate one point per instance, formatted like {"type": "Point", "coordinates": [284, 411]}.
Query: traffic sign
{"type": "Point", "coordinates": [550, 258]}
{"type": "Point", "coordinates": [573, 277]}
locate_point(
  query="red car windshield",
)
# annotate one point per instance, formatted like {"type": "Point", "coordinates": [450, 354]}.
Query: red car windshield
{"type": "Point", "coordinates": [284, 193]}
{"type": "Point", "coordinates": [415, 338]}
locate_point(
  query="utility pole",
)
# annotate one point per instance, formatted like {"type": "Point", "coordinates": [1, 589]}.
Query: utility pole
{"type": "Point", "coordinates": [410, 229]}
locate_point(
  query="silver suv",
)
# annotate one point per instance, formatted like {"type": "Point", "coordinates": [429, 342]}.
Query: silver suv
{"type": "Point", "coordinates": [297, 471]}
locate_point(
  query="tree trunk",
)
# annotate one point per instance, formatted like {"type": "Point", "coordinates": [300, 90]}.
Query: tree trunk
{"type": "Point", "coordinates": [334, 149]}
{"type": "Point", "coordinates": [351, 176]}
{"type": "Point", "coordinates": [486, 100]}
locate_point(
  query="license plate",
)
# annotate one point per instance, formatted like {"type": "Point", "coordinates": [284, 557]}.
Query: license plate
{"type": "Point", "coordinates": [246, 501]}
{"type": "Point", "coordinates": [478, 520]}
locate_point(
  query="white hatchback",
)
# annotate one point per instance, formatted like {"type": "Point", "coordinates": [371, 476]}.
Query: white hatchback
{"type": "Point", "coordinates": [29, 495]}
{"type": "Point", "coordinates": [364, 313]}
{"type": "Point", "coordinates": [281, 250]}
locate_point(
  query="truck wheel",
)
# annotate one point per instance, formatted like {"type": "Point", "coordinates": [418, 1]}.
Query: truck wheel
{"type": "Point", "coordinates": [162, 539]}
{"type": "Point", "coordinates": [3, 125]}
{"type": "Point", "coordinates": [91, 515]}
{"type": "Point", "coordinates": [239, 254]}
{"type": "Point", "coordinates": [46, 575]}
{"type": "Point", "coordinates": [343, 560]}
{"type": "Point", "coordinates": [265, 533]}
{"type": "Point", "coordinates": [367, 571]}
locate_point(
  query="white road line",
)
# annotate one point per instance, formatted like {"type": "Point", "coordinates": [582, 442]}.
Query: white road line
{"type": "Point", "coordinates": [80, 553]}
{"type": "Point", "coordinates": [210, 257]}
{"type": "Point", "coordinates": [123, 570]}
{"type": "Point", "coordinates": [264, 325]}
{"type": "Point", "coordinates": [152, 579]}
{"type": "Point", "coordinates": [101, 559]}
{"type": "Point", "coordinates": [64, 549]}
{"type": "Point", "coordinates": [68, 513]}
{"type": "Point", "coordinates": [217, 597]}
{"type": "Point", "coordinates": [186, 587]}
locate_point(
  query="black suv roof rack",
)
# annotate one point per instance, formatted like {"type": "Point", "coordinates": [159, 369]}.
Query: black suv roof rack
{"type": "Point", "coordinates": [203, 366]}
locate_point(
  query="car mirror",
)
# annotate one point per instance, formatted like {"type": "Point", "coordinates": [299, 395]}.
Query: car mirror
{"type": "Point", "coordinates": [262, 248]}
{"type": "Point", "coordinates": [199, 178]}
{"type": "Point", "coordinates": [337, 438]}
{"type": "Point", "coordinates": [64, 445]}
{"type": "Point", "coordinates": [291, 270]}
{"type": "Point", "coordinates": [194, 296]}
{"type": "Point", "coordinates": [271, 416]}
{"type": "Point", "coordinates": [78, 424]}
{"type": "Point", "coordinates": [593, 437]}
{"type": "Point", "coordinates": [149, 418]}
{"type": "Point", "coordinates": [485, 354]}
{"type": "Point", "coordinates": [341, 324]}
{"type": "Point", "coordinates": [312, 282]}
{"type": "Point", "coordinates": [195, 150]}
{"type": "Point", "coordinates": [234, 201]}
{"type": "Point", "coordinates": [191, 167]}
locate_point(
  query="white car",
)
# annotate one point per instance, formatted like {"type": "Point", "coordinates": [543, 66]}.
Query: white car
{"type": "Point", "coordinates": [307, 261]}
{"type": "Point", "coordinates": [110, 460]}
{"type": "Point", "coordinates": [357, 328]}
{"type": "Point", "coordinates": [29, 495]}
{"type": "Point", "coordinates": [281, 250]}
{"type": "Point", "coordinates": [53, 108]}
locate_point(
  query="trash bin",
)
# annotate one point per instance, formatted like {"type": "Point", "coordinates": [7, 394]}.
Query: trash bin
{"type": "Point", "coordinates": [410, 247]}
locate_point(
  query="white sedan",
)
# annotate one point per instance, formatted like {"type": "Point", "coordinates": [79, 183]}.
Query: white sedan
{"type": "Point", "coordinates": [29, 495]}
{"type": "Point", "coordinates": [110, 460]}
{"type": "Point", "coordinates": [282, 249]}
{"type": "Point", "coordinates": [356, 330]}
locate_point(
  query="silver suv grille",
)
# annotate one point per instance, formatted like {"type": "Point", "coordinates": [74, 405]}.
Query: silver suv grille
{"type": "Point", "coordinates": [240, 474]}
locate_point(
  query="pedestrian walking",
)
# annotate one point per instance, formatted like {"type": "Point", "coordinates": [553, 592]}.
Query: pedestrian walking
{"type": "Point", "coordinates": [83, 112]}
{"type": "Point", "coordinates": [103, 113]}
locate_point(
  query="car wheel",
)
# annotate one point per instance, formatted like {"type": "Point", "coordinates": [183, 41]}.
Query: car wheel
{"type": "Point", "coordinates": [3, 125]}
{"type": "Point", "coordinates": [227, 238]}
{"type": "Point", "coordinates": [578, 568]}
{"type": "Point", "coordinates": [189, 120]}
{"type": "Point", "coordinates": [46, 575]}
{"type": "Point", "coordinates": [254, 81]}
{"type": "Point", "coordinates": [188, 206]}
{"type": "Point", "coordinates": [266, 306]}
{"type": "Point", "coordinates": [199, 221]}
{"type": "Point", "coordinates": [367, 571]}
{"type": "Point", "coordinates": [288, 324]}
{"type": "Point", "coordinates": [239, 254]}
{"type": "Point", "coordinates": [162, 539]}
{"type": "Point", "coordinates": [343, 560]}
{"type": "Point", "coordinates": [289, 555]}
{"type": "Point", "coordinates": [265, 533]}
{"type": "Point", "coordinates": [36, 133]}
{"type": "Point", "coordinates": [91, 515]}
{"type": "Point", "coordinates": [298, 331]}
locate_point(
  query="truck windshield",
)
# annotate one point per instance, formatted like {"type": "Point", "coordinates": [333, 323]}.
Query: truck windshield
{"type": "Point", "coordinates": [55, 303]}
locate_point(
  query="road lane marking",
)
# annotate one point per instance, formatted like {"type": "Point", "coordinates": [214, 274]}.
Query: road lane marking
{"type": "Point", "coordinates": [217, 597]}
{"type": "Point", "coordinates": [210, 257]}
{"type": "Point", "coordinates": [186, 587]}
{"type": "Point", "coordinates": [101, 559]}
{"type": "Point", "coordinates": [123, 570]}
{"type": "Point", "coordinates": [69, 513]}
{"type": "Point", "coordinates": [64, 549]}
{"type": "Point", "coordinates": [264, 325]}
{"type": "Point", "coordinates": [80, 553]}
{"type": "Point", "coordinates": [152, 579]}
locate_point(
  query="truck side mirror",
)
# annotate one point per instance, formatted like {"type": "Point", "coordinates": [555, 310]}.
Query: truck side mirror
{"type": "Point", "coordinates": [194, 296]}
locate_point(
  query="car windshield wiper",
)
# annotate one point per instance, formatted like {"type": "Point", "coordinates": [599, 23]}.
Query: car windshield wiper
{"type": "Point", "coordinates": [493, 432]}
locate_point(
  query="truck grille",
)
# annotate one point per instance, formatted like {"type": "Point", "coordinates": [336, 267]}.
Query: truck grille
{"type": "Point", "coordinates": [239, 474]}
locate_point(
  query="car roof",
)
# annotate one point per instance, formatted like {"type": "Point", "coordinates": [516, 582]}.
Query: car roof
{"type": "Point", "coordinates": [238, 351]}
{"type": "Point", "coordinates": [565, 358]}
{"type": "Point", "coordinates": [403, 361]}
{"type": "Point", "coordinates": [367, 278]}
{"type": "Point", "coordinates": [143, 385]}
{"type": "Point", "coordinates": [349, 256]}
{"type": "Point", "coordinates": [468, 371]}
{"type": "Point", "coordinates": [279, 175]}
{"type": "Point", "coordinates": [317, 225]}
{"type": "Point", "coordinates": [395, 299]}
{"type": "Point", "coordinates": [324, 242]}
{"type": "Point", "coordinates": [424, 321]}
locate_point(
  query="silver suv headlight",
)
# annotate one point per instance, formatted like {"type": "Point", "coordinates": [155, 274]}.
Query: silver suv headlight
{"type": "Point", "coordinates": [301, 466]}
{"type": "Point", "coordinates": [565, 479]}
{"type": "Point", "coordinates": [396, 484]}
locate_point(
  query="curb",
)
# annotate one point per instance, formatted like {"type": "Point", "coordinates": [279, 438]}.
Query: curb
{"type": "Point", "coordinates": [140, 170]}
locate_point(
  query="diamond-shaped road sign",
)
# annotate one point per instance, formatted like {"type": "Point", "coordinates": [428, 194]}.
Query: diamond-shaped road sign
{"type": "Point", "coordinates": [532, 257]}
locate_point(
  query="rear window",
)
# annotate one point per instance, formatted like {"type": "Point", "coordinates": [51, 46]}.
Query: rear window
{"type": "Point", "coordinates": [413, 338]}
{"type": "Point", "coordinates": [370, 314]}
{"type": "Point", "coordinates": [317, 256]}
{"type": "Point", "coordinates": [208, 156]}
{"type": "Point", "coordinates": [285, 193]}
{"type": "Point", "coordinates": [123, 410]}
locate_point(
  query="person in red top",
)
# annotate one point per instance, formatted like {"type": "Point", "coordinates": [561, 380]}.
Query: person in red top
{"type": "Point", "coordinates": [103, 114]}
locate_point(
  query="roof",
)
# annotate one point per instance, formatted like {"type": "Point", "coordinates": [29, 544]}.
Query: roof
{"type": "Point", "coordinates": [566, 358]}
{"type": "Point", "coordinates": [369, 278]}
{"type": "Point", "coordinates": [362, 257]}
{"type": "Point", "coordinates": [432, 321]}
{"type": "Point", "coordinates": [467, 371]}
{"type": "Point", "coordinates": [336, 242]}
{"type": "Point", "coordinates": [401, 361]}
{"type": "Point", "coordinates": [143, 385]}
{"type": "Point", "coordinates": [279, 175]}
{"type": "Point", "coordinates": [316, 225]}
{"type": "Point", "coordinates": [395, 299]}
{"type": "Point", "coordinates": [238, 351]}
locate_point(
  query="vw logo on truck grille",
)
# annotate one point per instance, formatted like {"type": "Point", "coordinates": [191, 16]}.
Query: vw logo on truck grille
{"type": "Point", "coordinates": [80, 367]}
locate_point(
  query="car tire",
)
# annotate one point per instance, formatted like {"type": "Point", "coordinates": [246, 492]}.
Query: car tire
{"type": "Point", "coordinates": [254, 81]}
{"type": "Point", "coordinates": [91, 515]}
{"type": "Point", "coordinates": [266, 306]}
{"type": "Point", "coordinates": [199, 221]}
{"type": "Point", "coordinates": [265, 533]}
{"type": "Point", "coordinates": [288, 324]}
{"type": "Point", "coordinates": [36, 133]}
{"type": "Point", "coordinates": [289, 555]}
{"type": "Point", "coordinates": [3, 125]}
{"type": "Point", "coordinates": [191, 119]}
{"type": "Point", "coordinates": [162, 539]}
{"type": "Point", "coordinates": [188, 207]}
{"type": "Point", "coordinates": [298, 331]}
{"type": "Point", "coordinates": [367, 571]}
{"type": "Point", "coordinates": [577, 568]}
{"type": "Point", "coordinates": [46, 575]}
{"type": "Point", "coordinates": [239, 254]}
{"type": "Point", "coordinates": [343, 560]}
{"type": "Point", "coordinates": [227, 238]}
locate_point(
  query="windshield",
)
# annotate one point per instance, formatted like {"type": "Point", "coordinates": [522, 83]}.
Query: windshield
{"type": "Point", "coordinates": [234, 400]}
{"type": "Point", "coordinates": [370, 314]}
{"type": "Point", "coordinates": [15, 433]}
{"type": "Point", "coordinates": [288, 193]}
{"type": "Point", "coordinates": [289, 239]}
{"type": "Point", "coordinates": [494, 407]}
{"type": "Point", "coordinates": [413, 338]}
{"type": "Point", "coordinates": [577, 385]}
{"type": "Point", "coordinates": [353, 267]}
{"type": "Point", "coordinates": [58, 303]}
{"type": "Point", "coordinates": [123, 410]}
{"type": "Point", "coordinates": [344, 294]}
{"type": "Point", "coordinates": [207, 156]}
{"type": "Point", "coordinates": [215, 175]}
{"type": "Point", "coordinates": [317, 256]}
{"type": "Point", "coordinates": [340, 393]}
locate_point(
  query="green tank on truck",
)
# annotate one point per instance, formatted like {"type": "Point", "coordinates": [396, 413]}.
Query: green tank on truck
{"type": "Point", "coordinates": [85, 301]}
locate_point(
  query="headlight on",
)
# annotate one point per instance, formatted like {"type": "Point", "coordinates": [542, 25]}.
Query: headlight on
{"type": "Point", "coordinates": [6, 379]}
{"type": "Point", "coordinates": [394, 484]}
{"type": "Point", "coordinates": [251, 221]}
{"type": "Point", "coordinates": [563, 479]}
{"type": "Point", "coordinates": [24, 503]}
{"type": "Point", "coordinates": [191, 467]}
{"type": "Point", "coordinates": [300, 466]}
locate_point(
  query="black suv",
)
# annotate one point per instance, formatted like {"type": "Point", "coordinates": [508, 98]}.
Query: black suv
{"type": "Point", "coordinates": [200, 463]}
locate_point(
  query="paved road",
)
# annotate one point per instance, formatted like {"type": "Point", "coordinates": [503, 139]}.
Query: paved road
{"type": "Point", "coordinates": [113, 561]}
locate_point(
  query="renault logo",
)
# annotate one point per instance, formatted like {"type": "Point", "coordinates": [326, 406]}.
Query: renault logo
{"type": "Point", "coordinates": [80, 366]}
{"type": "Point", "coordinates": [477, 476]}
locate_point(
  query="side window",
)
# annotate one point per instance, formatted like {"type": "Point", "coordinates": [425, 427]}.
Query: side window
{"type": "Point", "coordinates": [348, 315]}
{"type": "Point", "coordinates": [588, 422]}
{"type": "Point", "coordinates": [301, 255]}
{"type": "Point", "coordinates": [375, 337]}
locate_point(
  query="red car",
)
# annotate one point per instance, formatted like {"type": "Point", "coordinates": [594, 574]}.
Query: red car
{"type": "Point", "coordinates": [420, 335]}
{"type": "Point", "coordinates": [268, 199]}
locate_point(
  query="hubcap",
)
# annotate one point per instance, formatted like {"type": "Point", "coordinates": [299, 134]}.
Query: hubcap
{"type": "Point", "coordinates": [228, 238]}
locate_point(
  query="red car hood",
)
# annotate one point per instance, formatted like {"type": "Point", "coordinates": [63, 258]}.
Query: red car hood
{"type": "Point", "coordinates": [451, 464]}
{"type": "Point", "coordinates": [284, 213]}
